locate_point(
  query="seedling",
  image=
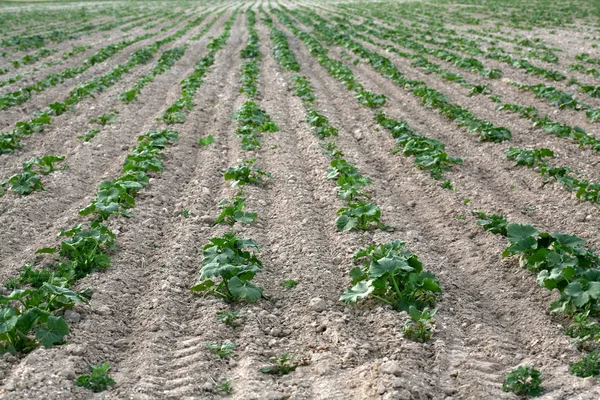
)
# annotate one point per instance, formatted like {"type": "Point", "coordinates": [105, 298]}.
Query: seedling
{"type": "Point", "coordinates": [360, 216]}
{"type": "Point", "coordinates": [393, 275]}
{"type": "Point", "coordinates": [43, 165]}
{"type": "Point", "coordinates": [523, 381]}
{"type": "Point", "coordinates": [589, 365]}
{"type": "Point", "coordinates": [282, 365]}
{"type": "Point", "coordinates": [205, 141]}
{"type": "Point", "coordinates": [419, 327]}
{"type": "Point", "coordinates": [232, 212]}
{"type": "Point", "coordinates": [246, 173]}
{"type": "Point", "coordinates": [448, 185]}
{"type": "Point", "coordinates": [225, 388]}
{"type": "Point", "coordinates": [224, 257]}
{"type": "Point", "coordinates": [290, 284]}
{"type": "Point", "coordinates": [229, 317]}
{"type": "Point", "coordinates": [99, 380]}
{"type": "Point", "coordinates": [223, 350]}
{"type": "Point", "coordinates": [89, 135]}
{"type": "Point", "coordinates": [185, 214]}
{"type": "Point", "coordinates": [24, 183]}
{"type": "Point", "coordinates": [104, 119]}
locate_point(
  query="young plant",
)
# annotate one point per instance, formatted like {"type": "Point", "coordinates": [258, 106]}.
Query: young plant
{"type": "Point", "coordinates": [282, 365]}
{"type": "Point", "coordinates": [232, 211]}
{"type": "Point", "coordinates": [393, 275]}
{"type": "Point", "coordinates": [89, 135]}
{"type": "Point", "coordinates": [229, 317]}
{"type": "Point", "coordinates": [360, 216]}
{"type": "Point", "coordinates": [24, 183]}
{"type": "Point", "coordinates": [530, 158]}
{"type": "Point", "coordinates": [43, 165]}
{"type": "Point", "coordinates": [224, 257]}
{"type": "Point", "coordinates": [494, 223]}
{"type": "Point", "coordinates": [98, 380]}
{"type": "Point", "coordinates": [246, 173]}
{"type": "Point", "coordinates": [523, 381]}
{"type": "Point", "coordinates": [290, 284]}
{"type": "Point", "coordinates": [589, 365]}
{"type": "Point", "coordinates": [225, 388]}
{"type": "Point", "coordinates": [223, 350]}
{"type": "Point", "coordinates": [104, 119]}
{"type": "Point", "coordinates": [419, 328]}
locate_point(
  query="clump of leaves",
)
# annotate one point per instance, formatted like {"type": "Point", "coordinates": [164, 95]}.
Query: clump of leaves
{"type": "Point", "coordinates": [419, 327]}
{"type": "Point", "coordinates": [246, 173]}
{"type": "Point", "coordinates": [251, 122]}
{"type": "Point", "coordinates": [523, 381]}
{"type": "Point", "coordinates": [232, 211]}
{"type": "Point", "coordinates": [229, 318]}
{"type": "Point", "coordinates": [494, 223]}
{"type": "Point", "coordinates": [104, 119]}
{"type": "Point", "coordinates": [224, 257]}
{"type": "Point", "coordinates": [89, 135]}
{"type": "Point", "coordinates": [43, 165]}
{"type": "Point", "coordinates": [283, 365]}
{"type": "Point", "coordinates": [290, 284]}
{"type": "Point", "coordinates": [393, 275]}
{"type": "Point", "coordinates": [530, 158]}
{"type": "Point", "coordinates": [585, 332]}
{"type": "Point", "coordinates": [98, 380]}
{"type": "Point", "coordinates": [24, 183]}
{"type": "Point", "coordinates": [223, 350]}
{"type": "Point", "coordinates": [360, 216]}
{"type": "Point", "coordinates": [205, 141]}
{"type": "Point", "coordinates": [589, 365]}
{"type": "Point", "coordinates": [225, 388]}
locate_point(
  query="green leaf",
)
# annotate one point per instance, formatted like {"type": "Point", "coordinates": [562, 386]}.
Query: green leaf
{"type": "Point", "coordinates": [57, 329]}
{"type": "Point", "coordinates": [205, 141]}
{"type": "Point", "coordinates": [388, 265]}
{"type": "Point", "coordinates": [357, 292]}
{"type": "Point", "coordinates": [8, 319]}
{"type": "Point", "coordinates": [345, 223]}
{"type": "Point", "coordinates": [518, 232]}
{"type": "Point", "coordinates": [244, 289]}
{"type": "Point", "coordinates": [202, 286]}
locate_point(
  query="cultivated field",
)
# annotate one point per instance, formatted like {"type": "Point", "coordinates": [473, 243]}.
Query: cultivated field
{"type": "Point", "coordinates": [303, 200]}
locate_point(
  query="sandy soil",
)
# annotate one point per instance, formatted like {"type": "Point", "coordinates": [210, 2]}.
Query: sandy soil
{"type": "Point", "coordinates": [142, 318]}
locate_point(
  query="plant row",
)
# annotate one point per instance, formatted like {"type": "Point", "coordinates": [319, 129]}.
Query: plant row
{"type": "Point", "coordinates": [32, 314]}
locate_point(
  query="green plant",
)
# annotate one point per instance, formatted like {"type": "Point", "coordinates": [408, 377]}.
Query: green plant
{"type": "Point", "coordinates": [246, 173]}
{"type": "Point", "coordinates": [232, 211]}
{"type": "Point", "coordinates": [224, 257]}
{"type": "Point", "coordinates": [43, 165]}
{"type": "Point", "coordinates": [185, 214]}
{"type": "Point", "coordinates": [205, 141]}
{"type": "Point", "coordinates": [24, 183]}
{"type": "Point", "coordinates": [223, 350]}
{"type": "Point", "coordinates": [523, 381]}
{"type": "Point", "coordinates": [420, 325]}
{"type": "Point", "coordinates": [225, 388]}
{"type": "Point", "coordinates": [229, 317]}
{"type": "Point", "coordinates": [99, 379]}
{"type": "Point", "coordinates": [251, 121]}
{"type": "Point", "coordinates": [393, 275]}
{"type": "Point", "coordinates": [360, 216]}
{"type": "Point", "coordinates": [528, 158]}
{"type": "Point", "coordinates": [282, 365]}
{"type": "Point", "coordinates": [290, 284]}
{"type": "Point", "coordinates": [104, 119]}
{"type": "Point", "coordinates": [494, 223]}
{"type": "Point", "coordinates": [89, 135]}
{"type": "Point", "coordinates": [589, 365]}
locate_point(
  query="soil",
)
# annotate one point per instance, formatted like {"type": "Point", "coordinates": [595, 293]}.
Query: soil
{"type": "Point", "coordinates": [142, 319]}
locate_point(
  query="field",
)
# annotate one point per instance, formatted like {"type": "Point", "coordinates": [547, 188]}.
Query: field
{"type": "Point", "coordinates": [303, 200]}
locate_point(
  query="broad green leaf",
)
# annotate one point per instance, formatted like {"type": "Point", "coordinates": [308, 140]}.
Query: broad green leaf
{"type": "Point", "coordinates": [519, 232]}
{"type": "Point", "coordinates": [345, 223]}
{"type": "Point", "coordinates": [357, 292]}
{"type": "Point", "coordinates": [244, 289]}
{"type": "Point", "coordinates": [205, 141]}
{"type": "Point", "coordinates": [570, 241]}
{"type": "Point", "coordinates": [388, 265]}
{"type": "Point", "coordinates": [57, 329]}
{"type": "Point", "coordinates": [202, 286]}
{"type": "Point", "coordinates": [8, 319]}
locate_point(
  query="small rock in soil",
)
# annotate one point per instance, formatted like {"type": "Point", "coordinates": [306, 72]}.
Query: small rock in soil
{"type": "Point", "coordinates": [318, 304]}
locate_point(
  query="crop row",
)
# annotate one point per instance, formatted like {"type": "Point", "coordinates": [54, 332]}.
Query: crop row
{"type": "Point", "coordinates": [31, 314]}
{"type": "Point", "coordinates": [11, 141]}
{"type": "Point", "coordinates": [387, 272]}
